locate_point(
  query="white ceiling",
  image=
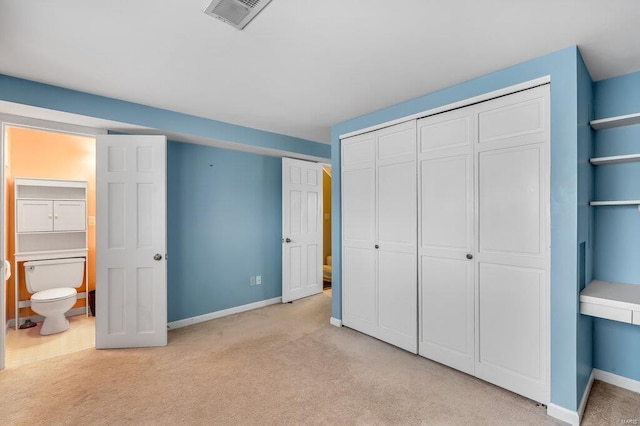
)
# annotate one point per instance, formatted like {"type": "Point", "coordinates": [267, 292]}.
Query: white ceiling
{"type": "Point", "coordinates": [301, 66]}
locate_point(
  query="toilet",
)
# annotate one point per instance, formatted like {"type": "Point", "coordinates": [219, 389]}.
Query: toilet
{"type": "Point", "coordinates": [52, 284]}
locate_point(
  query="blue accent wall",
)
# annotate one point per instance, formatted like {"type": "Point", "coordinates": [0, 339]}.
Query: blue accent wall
{"type": "Point", "coordinates": [60, 99]}
{"type": "Point", "coordinates": [224, 221]}
{"type": "Point", "coordinates": [616, 244]}
{"type": "Point", "coordinates": [562, 67]}
{"type": "Point", "coordinates": [585, 223]}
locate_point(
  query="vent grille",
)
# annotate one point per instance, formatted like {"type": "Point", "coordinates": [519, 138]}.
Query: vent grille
{"type": "Point", "coordinates": [250, 3]}
{"type": "Point", "coordinates": [237, 13]}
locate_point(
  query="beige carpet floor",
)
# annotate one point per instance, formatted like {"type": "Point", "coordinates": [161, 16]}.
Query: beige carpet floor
{"type": "Point", "coordinates": [283, 364]}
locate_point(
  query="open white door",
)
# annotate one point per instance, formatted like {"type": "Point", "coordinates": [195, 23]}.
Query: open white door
{"type": "Point", "coordinates": [5, 269]}
{"type": "Point", "coordinates": [131, 271]}
{"type": "Point", "coordinates": [301, 229]}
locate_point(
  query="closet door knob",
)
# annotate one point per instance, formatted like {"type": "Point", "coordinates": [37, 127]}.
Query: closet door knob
{"type": "Point", "coordinates": [377, 246]}
{"type": "Point", "coordinates": [158, 256]}
{"type": "Point", "coordinates": [469, 256]}
{"type": "Point", "coordinates": [287, 240]}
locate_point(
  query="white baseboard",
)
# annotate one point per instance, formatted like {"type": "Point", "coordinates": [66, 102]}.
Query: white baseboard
{"type": "Point", "coordinates": [614, 379]}
{"type": "Point", "coordinates": [563, 414]}
{"type": "Point", "coordinates": [39, 318]}
{"type": "Point", "coordinates": [585, 395]}
{"type": "Point", "coordinates": [219, 314]}
{"type": "Point", "coordinates": [336, 322]}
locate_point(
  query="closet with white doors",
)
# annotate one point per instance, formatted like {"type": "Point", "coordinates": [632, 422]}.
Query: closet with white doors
{"type": "Point", "coordinates": [483, 237]}
{"type": "Point", "coordinates": [379, 234]}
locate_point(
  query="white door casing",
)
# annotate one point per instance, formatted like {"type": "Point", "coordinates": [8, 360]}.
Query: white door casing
{"type": "Point", "coordinates": [302, 213]}
{"type": "Point", "coordinates": [379, 234]}
{"type": "Point", "coordinates": [131, 282]}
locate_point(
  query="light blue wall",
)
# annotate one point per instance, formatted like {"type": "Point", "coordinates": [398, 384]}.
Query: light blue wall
{"type": "Point", "coordinates": [585, 221]}
{"type": "Point", "coordinates": [617, 247]}
{"type": "Point", "coordinates": [57, 98]}
{"type": "Point", "coordinates": [562, 67]}
{"type": "Point", "coordinates": [224, 221]}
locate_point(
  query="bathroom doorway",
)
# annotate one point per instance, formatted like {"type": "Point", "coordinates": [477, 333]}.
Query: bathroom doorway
{"type": "Point", "coordinates": [326, 230]}
{"type": "Point", "coordinates": [33, 151]}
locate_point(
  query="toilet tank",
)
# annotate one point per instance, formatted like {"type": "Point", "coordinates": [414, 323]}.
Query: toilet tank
{"type": "Point", "coordinates": [55, 273]}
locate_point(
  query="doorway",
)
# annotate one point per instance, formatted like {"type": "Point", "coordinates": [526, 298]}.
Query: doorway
{"type": "Point", "coordinates": [327, 267]}
{"type": "Point", "coordinates": [39, 153]}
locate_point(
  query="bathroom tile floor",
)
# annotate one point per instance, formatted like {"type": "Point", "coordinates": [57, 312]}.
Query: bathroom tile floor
{"type": "Point", "coordinates": [27, 346]}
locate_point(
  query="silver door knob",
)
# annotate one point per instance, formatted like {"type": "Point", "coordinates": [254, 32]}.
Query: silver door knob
{"type": "Point", "coordinates": [287, 240]}
{"type": "Point", "coordinates": [158, 256]}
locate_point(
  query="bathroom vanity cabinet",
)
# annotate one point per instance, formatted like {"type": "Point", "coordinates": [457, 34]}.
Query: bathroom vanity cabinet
{"type": "Point", "coordinates": [50, 223]}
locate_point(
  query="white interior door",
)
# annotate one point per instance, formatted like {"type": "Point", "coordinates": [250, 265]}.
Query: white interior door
{"type": "Point", "coordinates": [5, 269]}
{"type": "Point", "coordinates": [131, 272]}
{"type": "Point", "coordinates": [512, 203]}
{"type": "Point", "coordinates": [301, 229]}
{"type": "Point", "coordinates": [446, 249]}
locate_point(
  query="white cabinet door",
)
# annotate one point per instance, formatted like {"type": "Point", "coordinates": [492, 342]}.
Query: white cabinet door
{"type": "Point", "coordinates": [131, 268]}
{"type": "Point", "coordinates": [34, 216]}
{"type": "Point", "coordinates": [379, 234]}
{"type": "Point", "coordinates": [69, 216]}
{"type": "Point", "coordinates": [301, 229]}
{"type": "Point", "coordinates": [445, 196]}
{"type": "Point", "coordinates": [513, 209]}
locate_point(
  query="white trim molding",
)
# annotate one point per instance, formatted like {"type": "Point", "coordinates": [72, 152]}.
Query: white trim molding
{"type": "Point", "coordinates": [463, 103]}
{"type": "Point", "coordinates": [336, 322]}
{"type": "Point", "coordinates": [585, 395]}
{"type": "Point", "coordinates": [616, 380]}
{"type": "Point", "coordinates": [563, 414]}
{"type": "Point", "coordinates": [223, 313]}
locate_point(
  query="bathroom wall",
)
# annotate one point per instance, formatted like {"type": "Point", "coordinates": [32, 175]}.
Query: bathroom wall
{"type": "Point", "coordinates": [39, 154]}
{"type": "Point", "coordinates": [326, 203]}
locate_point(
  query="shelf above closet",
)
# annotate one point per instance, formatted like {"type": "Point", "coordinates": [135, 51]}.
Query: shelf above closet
{"type": "Point", "coordinates": [619, 121]}
{"type": "Point", "coordinates": [614, 301]}
{"type": "Point", "coordinates": [615, 159]}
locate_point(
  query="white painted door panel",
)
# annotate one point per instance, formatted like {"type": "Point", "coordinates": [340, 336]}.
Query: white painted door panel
{"type": "Point", "coordinates": [513, 210]}
{"type": "Point", "coordinates": [379, 234]}
{"type": "Point", "coordinates": [301, 228]}
{"type": "Point", "coordinates": [131, 283]}
{"type": "Point", "coordinates": [446, 238]}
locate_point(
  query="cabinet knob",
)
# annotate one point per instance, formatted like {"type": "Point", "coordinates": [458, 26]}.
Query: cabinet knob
{"type": "Point", "coordinates": [377, 246]}
{"type": "Point", "coordinates": [469, 256]}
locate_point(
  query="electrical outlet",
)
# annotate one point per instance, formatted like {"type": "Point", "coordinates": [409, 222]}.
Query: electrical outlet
{"type": "Point", "coordinates": [259, 280]}
{"type": "Point", "coordinates": [252, 280]}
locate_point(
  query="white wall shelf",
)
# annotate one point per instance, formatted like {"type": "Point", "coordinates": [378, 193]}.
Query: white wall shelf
{"type": "Point", "coordinates": [610, 300]}
{"type": "Point", "coordinates": [615, 203]}
{"type": "Point", "coordinates": [619, 121]}
{"type": "Point", "coordinates": [615, 159]}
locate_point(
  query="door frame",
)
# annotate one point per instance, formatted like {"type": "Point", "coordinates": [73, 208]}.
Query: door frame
{"type": "Point", "coordinates": [9, 120]}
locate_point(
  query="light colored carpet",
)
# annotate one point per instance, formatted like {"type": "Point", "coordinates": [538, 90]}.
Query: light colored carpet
{"type": "Point", "coordinates": [278, 365]}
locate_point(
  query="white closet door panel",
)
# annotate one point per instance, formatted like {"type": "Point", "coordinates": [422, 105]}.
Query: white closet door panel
{"type": "Point", "coordinates": [69, 216]}
{"type": "Point", "coordinates": [447, 304]}
{"type": "Point", "coordinates": [34, 216]}
{"type": "Point", "coordinates": [512, 319]}
{"type": "Point", "coordinates": [445, 131]}
{"type": "Point", "coordinates": [509, 201]}
{"type": "Point", "coordinates": [358, 207]}
{"type": "Point", "coordinates": [446, 202]}
{"type": "Point", "coordinates": [359, 151]}
{"type": "Point", "coordinates": [360, 290]}
{"type": "Point", "coordinates": [397, 225]}
{"type": "Point", "coordinates": [397, 143]}
{"type": "Point", "coordinates": [398, 299]}
{"type": "Point", "coordinates": [519, 116]}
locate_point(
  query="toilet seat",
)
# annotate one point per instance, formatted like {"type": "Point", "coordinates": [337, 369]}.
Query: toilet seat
{"type": "Point", "coordinates": [53, 294]}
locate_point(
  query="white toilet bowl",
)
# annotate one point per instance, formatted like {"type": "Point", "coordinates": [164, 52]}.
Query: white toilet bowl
{"type": "Point", "coordinates": [53, 286]}
{"type": "Point", "coordinates": [52, 304]}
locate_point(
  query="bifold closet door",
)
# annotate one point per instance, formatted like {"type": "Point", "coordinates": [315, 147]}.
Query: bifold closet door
{"type": "Point", "coordinates": [513, 209]}
{"type": "Point", "coordinates": [379, 234]}
{"type": "Point", "coordinates": [445, 167]}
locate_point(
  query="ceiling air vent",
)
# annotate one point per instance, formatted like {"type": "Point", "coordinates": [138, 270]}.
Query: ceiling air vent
{"type": "Point", "coordinates": [237, 13]}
